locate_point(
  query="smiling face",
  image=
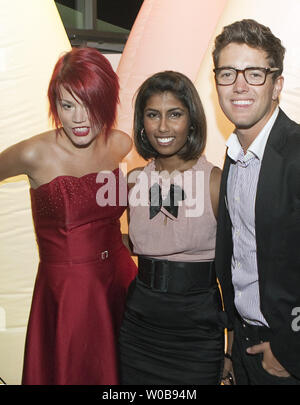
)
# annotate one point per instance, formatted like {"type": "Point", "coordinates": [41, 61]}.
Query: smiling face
{"type": "Point", "coordinates": [166, 123]}
{"type": "Point", "coordinates": [248, 107]}
{"type": "Point", "coordinates": [75, 120]}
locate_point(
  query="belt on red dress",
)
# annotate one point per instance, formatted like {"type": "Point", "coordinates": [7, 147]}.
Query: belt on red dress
{"type": "Point", "coordinates": [176, 277]}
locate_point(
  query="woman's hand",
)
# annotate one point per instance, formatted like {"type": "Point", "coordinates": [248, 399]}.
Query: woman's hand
{"type": "Point", "coordinates": [228, 375]}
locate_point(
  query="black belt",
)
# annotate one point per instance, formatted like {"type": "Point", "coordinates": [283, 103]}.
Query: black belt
{"type": "Point", "coordinates": [175, 277]}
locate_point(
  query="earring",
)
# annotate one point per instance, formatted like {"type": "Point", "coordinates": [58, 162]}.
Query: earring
{"type": "Point", "coordinates": [143, 134]}
{"type": "Point", "coordinates": [191, 131]}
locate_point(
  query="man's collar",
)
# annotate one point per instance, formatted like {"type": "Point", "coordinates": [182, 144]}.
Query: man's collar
{"type": "Point", "coordinates": [257, 147]}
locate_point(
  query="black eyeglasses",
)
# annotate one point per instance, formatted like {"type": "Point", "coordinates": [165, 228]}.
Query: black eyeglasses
{"type": "Point", "coordinates": [256, 76]}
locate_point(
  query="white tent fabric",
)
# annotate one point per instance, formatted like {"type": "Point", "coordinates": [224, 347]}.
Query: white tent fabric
{"type": "Point", "coordinates": [32, 38]}
{"type": "Point", "coordinates": [283, 21]}
{"type": "Point", "coordinates": [167, 35]}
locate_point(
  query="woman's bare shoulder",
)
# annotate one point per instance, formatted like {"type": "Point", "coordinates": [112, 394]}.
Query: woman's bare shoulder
{"type": "Point", "coordinates": [215, 177]}
{"type": "Point", "coordinates": [38, 145]}
{"type": "Point", "coordinates": [133, 175]}
{"type": "Point", "coordinates": [25, 156]}
{"type": "Point", "coordinates": [38, 150]}
{"type": "Point", "coordinates": [120, 142]}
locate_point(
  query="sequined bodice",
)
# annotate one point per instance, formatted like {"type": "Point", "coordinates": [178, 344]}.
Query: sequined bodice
{"type": "Point", "coordinates": [69, 222]}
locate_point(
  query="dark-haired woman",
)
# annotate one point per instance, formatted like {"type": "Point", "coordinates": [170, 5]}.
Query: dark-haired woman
{"type": "Point", "coordinates": [84, 269]}
{"type": "Point", "coordinates": [172, 331]}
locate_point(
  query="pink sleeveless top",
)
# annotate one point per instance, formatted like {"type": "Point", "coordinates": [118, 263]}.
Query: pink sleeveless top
{"type": "Point", "coordinates": [188, 237]}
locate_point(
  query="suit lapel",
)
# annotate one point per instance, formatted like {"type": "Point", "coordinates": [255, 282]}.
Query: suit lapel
{"type": "Point", "coordinates": [224, 236]}
{"type": "Point", "coordinates": [268, 196]}
{"type": "Point", "coordinates": [269, 182]}
{"type": "Point", "coordinates": [223, 187]}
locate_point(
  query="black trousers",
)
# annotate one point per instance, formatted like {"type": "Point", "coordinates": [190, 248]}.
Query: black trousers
{"type": "Point", "coordinates": [248, 369]}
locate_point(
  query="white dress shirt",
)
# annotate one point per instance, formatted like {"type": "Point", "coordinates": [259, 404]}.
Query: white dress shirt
{"type": "Point", "coordinates": [241, 195]}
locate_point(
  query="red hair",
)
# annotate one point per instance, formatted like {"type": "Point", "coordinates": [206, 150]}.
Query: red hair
{"type": "Point", "coordinates": [88, 76]}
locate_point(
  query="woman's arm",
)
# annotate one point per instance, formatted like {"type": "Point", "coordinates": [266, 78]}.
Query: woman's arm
{"type": "Point", "coordinates": [214, 185]}
{"type": "Point", "coordinates": [127, 242]}
{"type": "Point", "coordinates": [15, 160]}
{"type": "Point", "coordinates": [131, 180]}
{"type": "Point", "coordinates": [228, 375]}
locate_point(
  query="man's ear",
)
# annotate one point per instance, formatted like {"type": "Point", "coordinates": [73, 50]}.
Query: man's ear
{"type": "Point", "coordinates": [278, 86]}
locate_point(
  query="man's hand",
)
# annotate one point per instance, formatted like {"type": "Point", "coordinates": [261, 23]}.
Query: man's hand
{"type": "Point", "coordinates": [269, 362]}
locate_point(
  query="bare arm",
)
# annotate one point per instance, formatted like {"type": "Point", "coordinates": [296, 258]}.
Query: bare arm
{"type": "Point", "coordinates": [15, 160]}
{"type": "Point", "coordinates": [131, 178]}
{"type": "Point", "coordinates": [228, 375]}
{"type": "Point", "coordinates": [127, 242]}
{"type": "Point", "coordinates": [215, 181]}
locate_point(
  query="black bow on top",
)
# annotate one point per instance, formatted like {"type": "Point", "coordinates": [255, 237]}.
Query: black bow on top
{"type": "Point", "coordinates": [175, 195]}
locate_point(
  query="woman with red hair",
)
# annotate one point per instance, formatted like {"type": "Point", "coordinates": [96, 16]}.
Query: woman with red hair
{"type": "Point", "coordinates": [84, 268]}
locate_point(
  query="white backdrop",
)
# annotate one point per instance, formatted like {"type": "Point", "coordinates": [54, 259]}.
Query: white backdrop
{"type": "Point", "coordinates": [283, 19]}
{"type": "Point", "coordinates": [31, 39]}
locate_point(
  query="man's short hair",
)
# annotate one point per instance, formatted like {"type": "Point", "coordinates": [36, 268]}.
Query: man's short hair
{"type": "Point", "coordinates": [255, 35]}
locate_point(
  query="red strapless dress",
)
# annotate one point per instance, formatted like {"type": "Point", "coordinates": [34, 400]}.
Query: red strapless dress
{"type": "Point", "coordinates": [81, 284]}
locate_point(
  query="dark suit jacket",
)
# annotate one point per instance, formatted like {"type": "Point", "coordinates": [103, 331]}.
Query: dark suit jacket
{"type": "Point", "coordinates": [277, 222]}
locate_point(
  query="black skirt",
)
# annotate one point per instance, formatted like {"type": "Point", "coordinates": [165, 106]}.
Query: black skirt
{"type": "Point", "coordinates": [172, 338]}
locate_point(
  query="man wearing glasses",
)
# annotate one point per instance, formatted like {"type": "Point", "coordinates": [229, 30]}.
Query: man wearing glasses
{"type": "Point", "coordinates": [258, 237]}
